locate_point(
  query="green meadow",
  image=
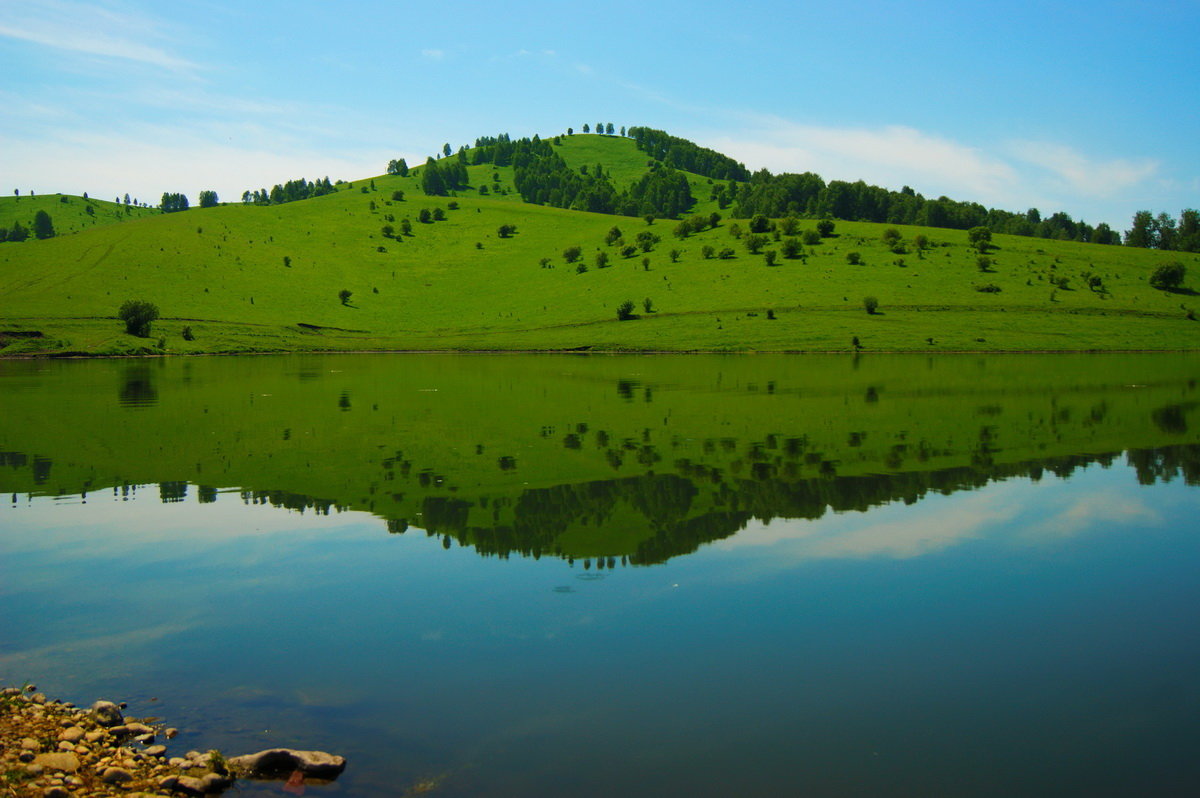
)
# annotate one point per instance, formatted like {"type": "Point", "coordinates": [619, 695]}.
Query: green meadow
{"type": "Point", "coordinates": [245, 278]}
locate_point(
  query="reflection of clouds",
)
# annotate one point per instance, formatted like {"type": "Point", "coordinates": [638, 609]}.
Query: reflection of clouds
{"type": "Point", "coordinates": [107, 525]}
{"type": "Point", "coordinates": [91, 649]}
{"type": "Point", "coordinates": [1091, 510]}
{"type": "Point", "coordinates": [896, 531]}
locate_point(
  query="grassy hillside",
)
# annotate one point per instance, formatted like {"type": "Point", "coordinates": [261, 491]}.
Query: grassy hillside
{"type": "Point", "coordinates": [250, 278]}
{"type": "Point", "coordinates": [70, 214]}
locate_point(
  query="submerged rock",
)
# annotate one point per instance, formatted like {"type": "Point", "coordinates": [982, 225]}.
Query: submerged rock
{"type": "Point", "coordinates": [283, 761]}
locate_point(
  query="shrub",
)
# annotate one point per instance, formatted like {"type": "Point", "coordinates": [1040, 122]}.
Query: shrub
{"type": "Point", "coordinates": [628, 251]}
{"type": "Point", "coordinates": [187, 334]}
{"type": "Point", "coordinates": [625, 310]}
{"type": "Point", "coordinates": [707, 251]}
{"type": "Point", "coordinates": [439, 215]}
{"type": "Point", "coordinates": [424, 217]}
{"type": "Point", "coordinates": [581, 268]}
{"type": "Point", "coordinates": [452, 205]}
{"type": "Point", "coordinates": [990, 288]}
{"type": "Point", "coordinates": [790, 248]}
{"type": "Point", "coordinates": [853, 258]}
{"type": "Point", "coordinates": [345, 295]}
{"type": "Point", "coordinates": [571, 254]}
{"type": "Point", "coordinates": [754, 242]}
{"type": "Point", "coordinates": [506, 230]}
{"type": "Point", "coordinates": [984, 263]}
{"type": "Point", "coordinates": [811, 238]}
{"type": "Point", "coordinates": [137, 315]}
{"type": "Point", "coordinates": [648, 305]}
{"type": "Point", "coordinates": [870, 304]}
{"type": "Point", "coordinates": [674, 255]}
{"type": "Point", "coordinates": [825, 228]}
{"type": "Point", "coordinates": [726, 253]}
{"type": "Point", "coordinates": [544, 263]}
{"type": "Point", "coordinates": [398, 195]}
{"type": "Point", "coordinates": [769, 257]}
{"type": "Point", "coordinates": [1169, 276]}
{"type": "Point", "coordinates": [601, 260]}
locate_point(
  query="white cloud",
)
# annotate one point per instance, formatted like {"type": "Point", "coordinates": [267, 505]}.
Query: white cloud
{"type": "Point", "coordinates": [92, 30]}
{"type": "Point", "coordinates": [1078, 173]}
{"type": "Point", "coordinates": [891, 155]}
{"type": "Point", "coordinates": [434, 55]}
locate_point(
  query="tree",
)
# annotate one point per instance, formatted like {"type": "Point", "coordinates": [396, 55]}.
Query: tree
{"type": "Point", "coordinates": [171, 203]}
{"type": "Point", "coordinates": [921, 242]}
{"type": "Point", "coordinates": [648, 305]}
{"type": "Point", "coordinates": [17, 232]}
{"type": "Point", "coordinates": [870, 304]}
{"type": "Point", "coordinates": [601, 260]}
{"type": "Point", "coordinates": [646, 240]}
{"type": "Point", "coordinates": [853, 258]}
{"type": "Point", "coordinates": [649, 217]}
{"type": "Point", "coordinates": [825, 228]}
{"type": "Point", "coordinates": [625, 309]}
{"type": "Point", "coordinates": [674, 254]}
{"type": "Point", "coordinates": [984, 263]}
{"type": "Point", "coordinates": [397, 196]}
{"type": "Point", "coordinates": [587, 129]}
{"type": "Point", "coordinates": [613, 236]}
{"type": "Point", "coordinates": [755, 242]}
{"type": "Point", "coordinates": [571, 254]}
{"type": "Point", "coordinates": [980, 238]}
{"type": "Point", "coordinates": [345, 295]}
{"type": "Point", "coordinates": [890, 237]}
{"type": "Point", "coordinates": [506, 230]}
{"type": "Point", "coordinates": [609, 128]}
{"type": "Point", "coordinates": [790, 248]}
{"type": "Point", "coordinates": [208, 199]}
{"type": "Point", "coordinates": [406, 226]}
{"type": "Point", "coordinates": [43, 227]}
{"type": "Point", "coordinates": [707, 251]}
{"type": "Point", "coordinates": [769, 257]}
{"type": "Point", "coordinates": [425, 217]}
{"type": "Point", "coordinates": [760, 224]}
{"type": "Point", "coordinates": [1169, 276]}
{"type": "Point", "coordinates": [439, 215]}
{"type": "Point", "coordinates": [811, 238]}
{"type": "Point", "coordinates": [137, 315]}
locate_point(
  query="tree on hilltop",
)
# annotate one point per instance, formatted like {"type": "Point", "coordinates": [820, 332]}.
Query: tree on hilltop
{"type": "Point", "coordinates": [43, 227]}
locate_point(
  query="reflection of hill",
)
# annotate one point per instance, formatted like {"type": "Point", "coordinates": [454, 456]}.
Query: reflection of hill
{"type": "Point", "coordinates": [641, 458]}
{"type": "Point", "coordinates": [543, 515]}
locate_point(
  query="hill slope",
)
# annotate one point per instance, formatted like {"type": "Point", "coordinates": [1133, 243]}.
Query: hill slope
{"type": "Point", "coordinates": [265, 278]}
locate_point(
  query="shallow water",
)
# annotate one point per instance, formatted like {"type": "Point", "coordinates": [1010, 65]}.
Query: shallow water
{"type": "Point", "coordinates": [622, 575]}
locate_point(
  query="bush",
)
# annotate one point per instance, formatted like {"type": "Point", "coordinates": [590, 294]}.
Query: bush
{"type": "Point", "coordinates": [853, 258]}
{"type": "Point", "coordinates": [769, 257]}
{"type": "Point", "coordinates": [571, 254]}
{"type": "Point", "coordinates": [345, 295]}
{"type": "Point", "coordinates": [707, 251]}
{"type": "Point", "coordinates": [187, 333]}
{"type": "Point", "coordinates": [811, 238]}
{"type": "Point", "coordinates": [726, 253]}
{"type": "Point", "coordinates": [137, 315]}
{"type": "Point", "coordinates": [581, 268]}
{"type": "Point", "coordinates": [870, 304]}
{"type": "Point", "coordinates": [754, 242]}
{"type": "Point", "coordinates": [984, 263]}
{"type": "Point", "coordinates": [506, 230]}
{"type": "Point", "coordinates": [601, 260]}
{"type": "Point", "coordinates": [398, 195]}
{"type": "Point", "coordinates": [990, 288]}
{"type": "Point", "coordinates": [625, 310]}
{"type": "Point", "coordinates": [790, 248]}
{"type": "Point", "coordinates": [825, 228]}
{"type": "Point", "coordinates": [1169, 276]}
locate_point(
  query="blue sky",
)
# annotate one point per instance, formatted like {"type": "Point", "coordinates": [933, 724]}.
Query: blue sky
{"type": "Point", "coordinates": [1091, 108]}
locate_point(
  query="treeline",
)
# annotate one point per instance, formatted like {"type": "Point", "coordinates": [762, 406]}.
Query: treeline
{"type": "Point", "coordinates": [1164, 232]}
{"type": "Point", "coordinates": [809, 195]}
{"type": "Point", "coordinates": [290, 191]}
{"type": "Point", "coordinates": [686, 155]}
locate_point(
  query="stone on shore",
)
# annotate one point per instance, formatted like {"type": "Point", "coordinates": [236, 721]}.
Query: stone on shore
{"type": "Point", "coordinates": [282, 761]}
{"type": "Point", "coordinates": [106, 713]}
{"type": "Point", "coordinates": [116, 775]}
{"type": "Point", "coordinates": [60, 761]}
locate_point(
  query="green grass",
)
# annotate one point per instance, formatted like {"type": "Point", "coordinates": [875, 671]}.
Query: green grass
{"type": "Point", "coordinates": [68, 212]}
{"type": "Point", "coordinates": [456, 285]}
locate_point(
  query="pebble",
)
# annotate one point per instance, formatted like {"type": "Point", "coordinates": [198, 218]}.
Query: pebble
{"type": "Point", "coordinates": [116, 775]}
{"type": "Point", "coordinates": [156, 750]}
{"type": "Point", "coordinates": [56, 792]}
{"type": "Point", "coordinates": [29, 744]}
{"type": "Point", "coordinates": [72, 734]}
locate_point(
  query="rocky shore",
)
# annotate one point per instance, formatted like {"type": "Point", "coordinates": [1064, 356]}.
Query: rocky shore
{"type": "Point", "coordinates": [53, 749]}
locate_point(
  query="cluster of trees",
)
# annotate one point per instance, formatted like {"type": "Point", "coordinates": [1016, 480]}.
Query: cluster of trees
{"type": "Point", "coordinates": [290, 191]}
{"type": "Point", "coordinates": [686, 155]}
{"type": "Point", "coordinates": [208, 199]}
{"type": "Point", "coordinates": [173, 203]}
{"type": "Point", "coordinates": [43, 227]}
{"type": "Point", "coordinates": [397, 167]}
{"type": "Point", "coordinates": [439, 178]}
{"type": "Point", "coordinates": [1164, 232]}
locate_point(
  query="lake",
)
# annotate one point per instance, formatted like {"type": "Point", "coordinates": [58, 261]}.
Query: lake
{"type": "Point", "coordinates": [621, 575]}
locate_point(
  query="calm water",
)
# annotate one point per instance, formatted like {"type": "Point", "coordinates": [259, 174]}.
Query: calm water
{"type": "Point", "coordinates": [623, 576]}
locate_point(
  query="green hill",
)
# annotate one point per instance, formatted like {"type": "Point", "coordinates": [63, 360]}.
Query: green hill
{"type": "Point", "coordinates": [68, 213]}
{"type": "Point", "coordinates": [243, 277]}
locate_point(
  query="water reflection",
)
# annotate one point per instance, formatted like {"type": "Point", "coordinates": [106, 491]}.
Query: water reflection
{"type": "Point", "coordinates": [561, 465]}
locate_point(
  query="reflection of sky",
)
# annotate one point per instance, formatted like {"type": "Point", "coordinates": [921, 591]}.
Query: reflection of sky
{"type": "Point", "coordinates": [1019, 511]}
{"type": "Point", "coordinates": [950, 643]}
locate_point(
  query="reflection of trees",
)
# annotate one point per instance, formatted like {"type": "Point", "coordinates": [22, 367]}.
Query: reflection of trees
{"type": "Point", "coordinates": [137, 387]}
{"type": "Point", "coordinates": [542, 515]}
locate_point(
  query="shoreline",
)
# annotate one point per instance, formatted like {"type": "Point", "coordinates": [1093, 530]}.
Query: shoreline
{"type": "Point", "coordinates": [55, 749]}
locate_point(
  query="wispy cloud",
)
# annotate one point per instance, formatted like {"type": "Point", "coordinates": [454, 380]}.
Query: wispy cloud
{"type": "Point", "coordinates": [92, 30]}
{"type": "Point", "coordinates": [433, 54]}
{"type": "Point", "coordinates": [1077, 172]}
{"type": "Point", "coordinates": [1092, 511]}
{"type": "Point", "coordinates": [891, 154]}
